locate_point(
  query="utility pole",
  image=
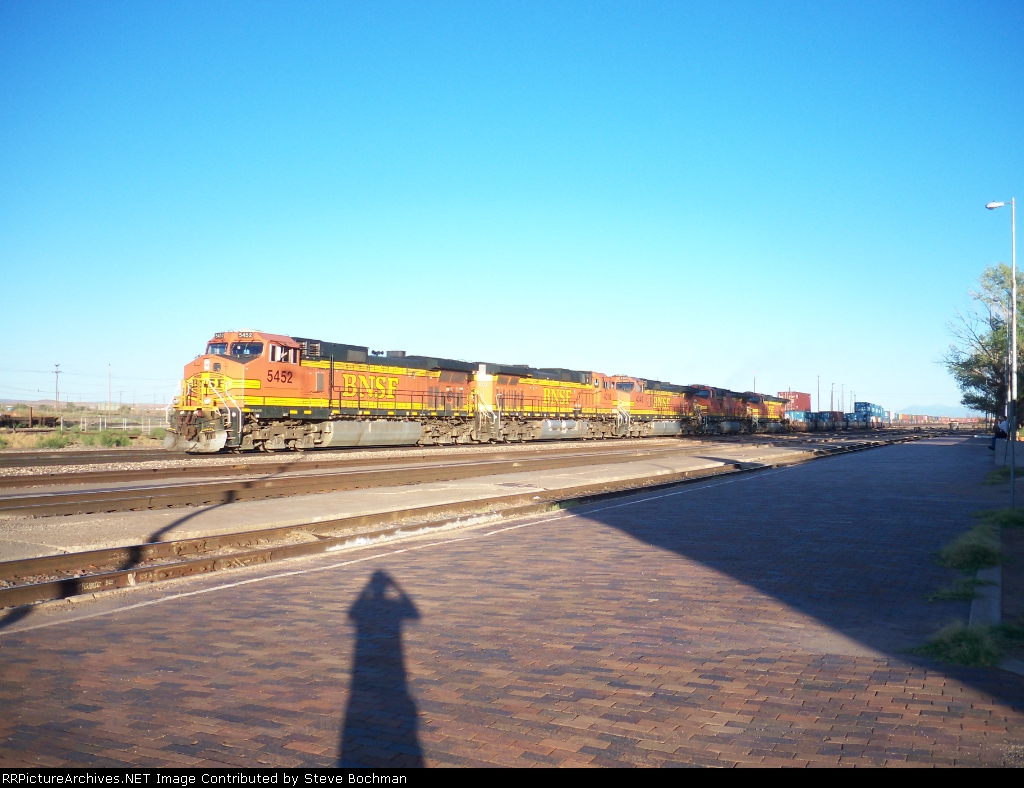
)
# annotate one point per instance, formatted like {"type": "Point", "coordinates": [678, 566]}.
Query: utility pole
{"type": "Point", "coordinates": [110, 386]}
{"type": "Point", "coordinates": [842, 397]}
{"type": "Point", "coordinates": [56, 387]}
{"type": "Point", "coordinates": [755, 381]}
{"type": "Point", "coordinates": [832, 398]}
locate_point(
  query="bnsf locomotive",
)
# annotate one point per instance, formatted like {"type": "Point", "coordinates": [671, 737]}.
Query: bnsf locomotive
{"type": "Point", "coordinates": [253, 390]}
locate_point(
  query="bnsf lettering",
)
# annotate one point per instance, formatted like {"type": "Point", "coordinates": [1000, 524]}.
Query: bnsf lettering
{"type": "Point", "coordinates": [661, 402]}
{"type": "Point", "coordinates": [369, 386]}
{"type": "Point", "coordinates": [557, 397]}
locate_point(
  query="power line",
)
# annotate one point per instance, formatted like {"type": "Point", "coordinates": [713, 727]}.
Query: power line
{"type": "Point", "coordinates": [74, 374]}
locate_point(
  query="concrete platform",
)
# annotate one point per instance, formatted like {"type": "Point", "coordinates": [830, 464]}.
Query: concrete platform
{"type": "Point", "coordinates": [1001, 455]}
{"type": "Point", "coordinates": [31, 537]}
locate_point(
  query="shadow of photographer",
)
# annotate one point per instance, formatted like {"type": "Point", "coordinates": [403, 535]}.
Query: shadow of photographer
{"type": "Point", "coordinates": [380, 727]}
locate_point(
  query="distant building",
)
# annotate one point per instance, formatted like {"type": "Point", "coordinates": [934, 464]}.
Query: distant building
{"type": "Point", "coordinates": [797, 400]}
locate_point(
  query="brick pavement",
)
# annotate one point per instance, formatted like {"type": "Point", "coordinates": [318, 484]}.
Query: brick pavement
{"type": "Point", "coordinates": [758, 620]}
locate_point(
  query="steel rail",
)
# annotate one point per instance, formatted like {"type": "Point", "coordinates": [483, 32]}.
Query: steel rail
{"type": "Point", "coordinates": [292, 479]}
{"type": "Point", "coordinates": [123, 567]}
{"type": "Point", "coordinates": [27, 459]}
{"type": "Point", "coordinates": [42, 504]}
{"type": "Point", "coordinates": [31, 459]}
{"type": "Point", "coordinates": [303, 464]}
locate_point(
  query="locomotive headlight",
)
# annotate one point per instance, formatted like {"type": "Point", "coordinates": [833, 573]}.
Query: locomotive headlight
{"type": "Point", "coordinates": [176, 400]}
{"type": "Point", "coordinates": [206, 401]}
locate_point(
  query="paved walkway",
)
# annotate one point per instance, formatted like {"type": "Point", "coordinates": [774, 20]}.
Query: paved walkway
{"type": "Point", "coordinates": [755, 620]}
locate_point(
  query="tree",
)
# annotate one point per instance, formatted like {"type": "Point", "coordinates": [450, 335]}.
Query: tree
{"type": "Point", "coordinates": [978, 359]}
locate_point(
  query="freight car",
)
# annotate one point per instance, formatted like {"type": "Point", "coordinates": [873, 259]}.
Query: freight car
{"type": "Point", "coordinates": [254, 390]}
{"type": "Point", "coordinates": [23, 420]}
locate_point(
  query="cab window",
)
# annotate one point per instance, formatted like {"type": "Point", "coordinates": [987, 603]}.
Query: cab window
{"type": "Point", "coordinates": [247, 350]}
{"type": "Point", "coordinates": [217, 348]}
{"type": "Point", "coordinates": [624, 386]}
{"type": "Point", "coordinates": [284, 355]}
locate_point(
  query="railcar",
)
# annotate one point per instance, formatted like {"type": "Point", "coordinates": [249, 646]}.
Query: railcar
{"type": "Point", "coordinates": [253, 390]}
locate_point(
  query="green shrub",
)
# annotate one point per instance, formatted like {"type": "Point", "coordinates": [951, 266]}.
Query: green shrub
{"type": "Point", "coordinates": [158, 433]}
{"type": "Point", "coordinates": [960, 645]}
{"type": "Point", "coordinates": [57, 440]}
{"type": "Point", "coordinates": [4, 443]}
{"type": "Point", "coordinates": [963, 590]}
{"type": "Point", "coordinates": [1002, 475]}
{"type": "Point", "coordinates": [1009, 632]}
{"type": "Point", "coordinates": [1001, 518]}
{"type": "Point", "coordinates": [973, 550]}
{"type": "Point", "coordinates": [106, 438]}
{"type": "Point", "coordinates": [977, 646]}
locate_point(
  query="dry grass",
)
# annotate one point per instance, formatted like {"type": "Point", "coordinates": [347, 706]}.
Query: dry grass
{"type": "Point", "coordinates": [974, 550]}
{"type": "Point", "coordinates": [19, 440]}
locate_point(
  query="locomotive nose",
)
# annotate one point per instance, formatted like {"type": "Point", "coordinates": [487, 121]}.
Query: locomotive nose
{"type": "Point", "coordinates": [197, 432]}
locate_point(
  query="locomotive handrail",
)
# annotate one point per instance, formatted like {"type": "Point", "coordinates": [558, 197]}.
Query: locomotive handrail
{"type": "Point", "coordinates": [225, 395]}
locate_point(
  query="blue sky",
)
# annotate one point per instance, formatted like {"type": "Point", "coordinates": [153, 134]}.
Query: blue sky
{"type": "Point", "coordinates": [684, 191]}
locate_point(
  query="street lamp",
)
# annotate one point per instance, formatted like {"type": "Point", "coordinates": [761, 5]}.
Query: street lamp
{"type": "Point", "coordinates": [1012, 420]}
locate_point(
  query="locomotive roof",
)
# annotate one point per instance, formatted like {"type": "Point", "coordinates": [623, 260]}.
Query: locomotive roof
{"type": "Point", "coordinates": [242, 334]}
{"type": "Point", "coordinates": [318, 349]}
{"type": "Point", "coordinates": [661, 385]}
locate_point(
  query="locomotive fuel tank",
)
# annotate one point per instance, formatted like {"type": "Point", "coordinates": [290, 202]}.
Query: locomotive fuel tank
{"type": "Point", "coordinates": [562, 429]}
{"type": "Point", "coordinates": [370, 433]}
{"type": "Point", "coordinates": [666, 427]}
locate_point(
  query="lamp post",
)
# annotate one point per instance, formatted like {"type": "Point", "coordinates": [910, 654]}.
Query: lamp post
{"type": "Point", "coordinates": [1012, 420]}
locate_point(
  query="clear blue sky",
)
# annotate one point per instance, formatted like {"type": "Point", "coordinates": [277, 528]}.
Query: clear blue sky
{"type": "Point", "coordinates": [684, 191]}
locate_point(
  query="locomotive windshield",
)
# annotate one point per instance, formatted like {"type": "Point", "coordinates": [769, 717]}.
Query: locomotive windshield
{"type": "Point", "coordinates": [217, 348]}
{"type": "Point", "coordinates": [624, 386]}
{"type": "Point", "coordinates": [246, 350]}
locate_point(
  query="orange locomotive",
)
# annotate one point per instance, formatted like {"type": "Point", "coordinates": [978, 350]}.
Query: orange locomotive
{"type": "Point", "coordinates": [254, 390]}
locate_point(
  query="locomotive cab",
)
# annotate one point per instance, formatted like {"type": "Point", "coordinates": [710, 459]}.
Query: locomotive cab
{"type": "Point", "coordinates": [211, 406]}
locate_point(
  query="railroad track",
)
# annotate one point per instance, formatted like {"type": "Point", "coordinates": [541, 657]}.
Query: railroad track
{"type": "Point", "coordinates": [325, 461]}
{"type": "Point", "coordinates": [303, 479]}
{"type": "Point", "coordinates": [32, 459]}
{"type": "Point", "coordinates": [57, 577]}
